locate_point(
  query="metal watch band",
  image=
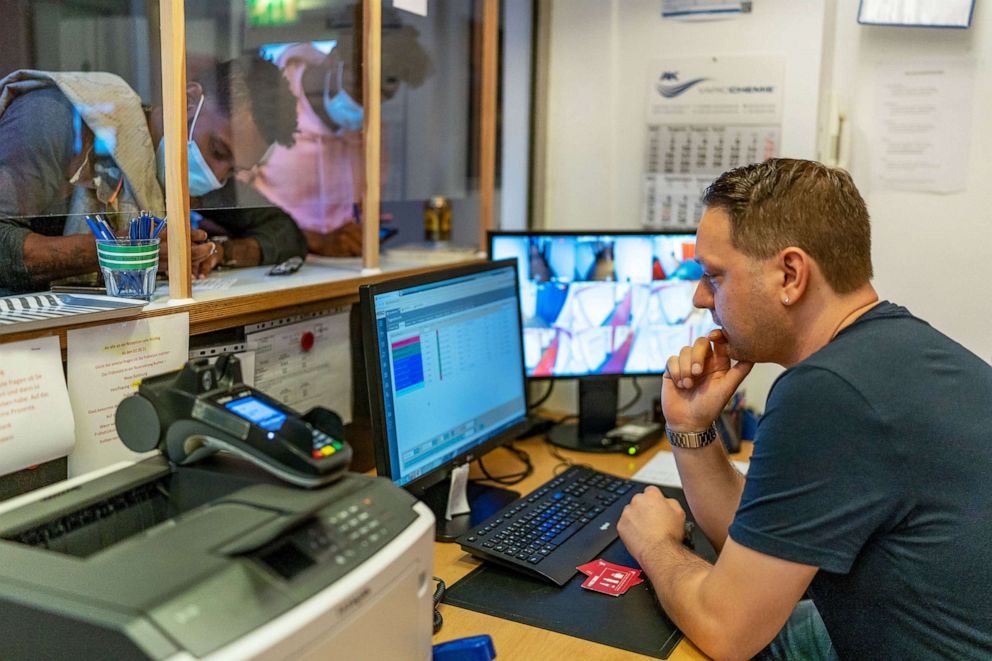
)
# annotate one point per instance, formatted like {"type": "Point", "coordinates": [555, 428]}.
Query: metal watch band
{"type": "Point", "coordinates": [691, 439]}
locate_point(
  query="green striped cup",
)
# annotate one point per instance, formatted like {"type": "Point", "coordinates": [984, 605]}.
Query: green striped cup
{"type": "Point", "coordinates": [128, 266]}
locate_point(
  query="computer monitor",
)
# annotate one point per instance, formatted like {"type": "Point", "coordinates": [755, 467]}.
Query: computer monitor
{"type": "Point", "coordinates": [444, 363]}
{"type": "Point", "coordinates": [600, 305]}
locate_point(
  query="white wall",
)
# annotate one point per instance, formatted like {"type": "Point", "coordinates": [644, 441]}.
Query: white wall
{"type": "Point", "coordinates": [932, 253]}
{"type": "Point", "coordinates": [600, 57]}
{"type": "Point", "coordinates": [600, 54]}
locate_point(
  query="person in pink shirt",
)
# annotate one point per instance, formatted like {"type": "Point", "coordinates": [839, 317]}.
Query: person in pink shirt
{"type": "Point", "coordinates": [319, 180]}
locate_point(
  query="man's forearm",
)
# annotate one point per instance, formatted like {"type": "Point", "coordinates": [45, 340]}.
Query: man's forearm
{"type": "Point", "coordinates": [678, 578]}
{"type": "Point", "coordinates": [712, 487]}
{"type": "Point", "coordinates": [49, 258]}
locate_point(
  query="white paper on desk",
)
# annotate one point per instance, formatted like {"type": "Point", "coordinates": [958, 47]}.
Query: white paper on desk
{"type": "Point", "coordinates": [35, 415]}
{"type": "Point", "coordinates": [458, 493]}
{"type": "Point", "coordinates": [303, 379]}
{"type": "Point", "coordinates": [105, 364]}
{"type": "Point", "coordinates": [922, 125]}
{"type": "Point", "coordinates": [661, 470]}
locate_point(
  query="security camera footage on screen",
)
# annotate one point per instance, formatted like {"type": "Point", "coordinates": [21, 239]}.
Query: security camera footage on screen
{"type": "Point", "coordinates": [602, 304]}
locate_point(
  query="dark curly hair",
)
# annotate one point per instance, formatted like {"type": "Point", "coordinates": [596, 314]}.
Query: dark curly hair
{"type": "Point", "coordinates": [252, 81]}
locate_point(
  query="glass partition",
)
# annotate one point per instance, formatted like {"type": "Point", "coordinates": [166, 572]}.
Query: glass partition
{"type": "Point", "coordinates": [79, 90]}
{"type": "Point", "coordinates": [430, 122]}
{"type": "Point", "coordinates": [274, 111]}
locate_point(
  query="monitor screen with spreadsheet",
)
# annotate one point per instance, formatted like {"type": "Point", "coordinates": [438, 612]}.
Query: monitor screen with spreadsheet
{"type": "Point", "coordinates": [444, 360]}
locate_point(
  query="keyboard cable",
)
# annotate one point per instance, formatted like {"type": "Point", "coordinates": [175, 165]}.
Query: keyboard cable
{"type": "Point", "coordinates": [511, 478]}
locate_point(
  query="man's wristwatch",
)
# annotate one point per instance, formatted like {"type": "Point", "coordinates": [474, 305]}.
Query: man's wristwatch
{"type": "Point", "coordinates": [691, 439]}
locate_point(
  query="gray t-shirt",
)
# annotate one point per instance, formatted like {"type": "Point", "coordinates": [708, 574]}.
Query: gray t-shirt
{"type": "Point", "coordinates": [37, 135]}
{"type": "Point", "coordinates": [872, 462]}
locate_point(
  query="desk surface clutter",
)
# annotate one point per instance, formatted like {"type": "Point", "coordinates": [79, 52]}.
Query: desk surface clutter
{"type": "Point", "coordinates": [514, 640]}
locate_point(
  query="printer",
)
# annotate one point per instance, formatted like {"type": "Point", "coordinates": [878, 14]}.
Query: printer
{"type": "Point", "coordinates": [216, 558]}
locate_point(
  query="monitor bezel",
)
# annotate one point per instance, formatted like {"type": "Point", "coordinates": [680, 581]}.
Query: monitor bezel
{"type": "Point", "coordinates": [380, 437]}
{"type": "Point", "coordinates": [493, 234]}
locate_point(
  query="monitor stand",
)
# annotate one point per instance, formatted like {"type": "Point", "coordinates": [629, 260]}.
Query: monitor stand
{"type": "Point", "coordinates": [484, 500]}
{"type": "Point", "coordinates": [597, 416]}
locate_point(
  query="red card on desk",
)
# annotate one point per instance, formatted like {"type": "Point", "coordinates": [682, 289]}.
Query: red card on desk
{"type": "Point", "coordinates": [609, 578]}
{"type": "Point", "coordinates": [590, 567]}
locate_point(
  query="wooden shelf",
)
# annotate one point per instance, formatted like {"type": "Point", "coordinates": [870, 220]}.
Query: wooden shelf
{"type": "Point", "coordinates": [253, 298]}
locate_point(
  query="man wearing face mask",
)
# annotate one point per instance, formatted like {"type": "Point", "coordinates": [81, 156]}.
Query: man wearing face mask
{"type": "Point", "coordinates": [82, 143]}
{"type": "Point", "coordinates": [320, 179]}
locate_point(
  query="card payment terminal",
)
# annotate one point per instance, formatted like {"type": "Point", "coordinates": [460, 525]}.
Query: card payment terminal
{"type": "Point", "coordinates": [204, 408]}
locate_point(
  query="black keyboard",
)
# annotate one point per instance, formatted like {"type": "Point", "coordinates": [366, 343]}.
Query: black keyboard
{"type": "Point", "coordinates": [560, 525]}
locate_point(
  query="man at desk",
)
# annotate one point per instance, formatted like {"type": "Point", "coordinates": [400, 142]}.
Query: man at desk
{"type": "Point", "coordinates": [81, 143]}
{"type": "Point", "coordinates": [868, 485]}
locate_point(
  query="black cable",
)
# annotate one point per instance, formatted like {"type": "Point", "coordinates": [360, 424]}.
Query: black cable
{"type": "Point", "coordinates": [564, 463]}
{"type": "Point", "coordinates": [637, 396]}
{"type": "Point", "coordinates": [438, 596]}
{"type": "Point", "coordinates": [511, 478]}
{"type": "Point", "coordinates": [543, 398]}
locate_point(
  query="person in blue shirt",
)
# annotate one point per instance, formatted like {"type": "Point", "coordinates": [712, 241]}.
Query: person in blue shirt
{"type": "Point", "coordinates": [868, 485]}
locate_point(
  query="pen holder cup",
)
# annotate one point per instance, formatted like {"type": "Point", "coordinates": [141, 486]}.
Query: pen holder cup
{"type": "Point", "coordinates": [128, 266]}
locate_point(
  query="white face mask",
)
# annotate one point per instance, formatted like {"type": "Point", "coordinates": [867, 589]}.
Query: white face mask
{"type": "Point", "coordinates": [202, 179]}
{"type": "Point", "coordinates": [341, 108]}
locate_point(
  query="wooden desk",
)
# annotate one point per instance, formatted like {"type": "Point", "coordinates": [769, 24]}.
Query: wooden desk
{"type": "Point", "coordinates": [513, 640]}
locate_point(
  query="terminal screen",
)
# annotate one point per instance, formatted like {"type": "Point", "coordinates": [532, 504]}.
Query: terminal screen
{"type": "Point", "coordinates": [604, 304]}
{"type": "Point", "coordinates": [257, 412]}
{"type": "Point", "coordinates": [450, 363]}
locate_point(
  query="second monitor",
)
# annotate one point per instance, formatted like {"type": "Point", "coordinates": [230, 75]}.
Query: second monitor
{"type": "Point", "coordinates": [446, 382]}
{"type": "Point", "coordinates": [600, 305]}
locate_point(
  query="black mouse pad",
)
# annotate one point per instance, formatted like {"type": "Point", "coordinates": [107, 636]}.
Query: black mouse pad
{"type": "Point", "coordinates": [633, 621]}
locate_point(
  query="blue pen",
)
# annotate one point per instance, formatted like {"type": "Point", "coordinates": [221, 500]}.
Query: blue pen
{"type": "Point", "coordinates": [93, 227]}
{"type": "Point", "coordinates": [100, 229]}
{"type": "Point", "coordinates": [107, 232]}
{"type": "Point", "coordinates": [159, 228]}
{"type": "Point", "coordinates": [356, 212]}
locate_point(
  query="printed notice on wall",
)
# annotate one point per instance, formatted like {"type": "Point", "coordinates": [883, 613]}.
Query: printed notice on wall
{"type": "Point", "coordinates": [706, 115]}
{"type": "Point", "coordinates": [35, 415]}
{"type": "Point", "coordinates": [922, 126]}
{"type": "Point", "coordinates": [305, 364]}
{"type": "Point", "coordinates": [105, 364]}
